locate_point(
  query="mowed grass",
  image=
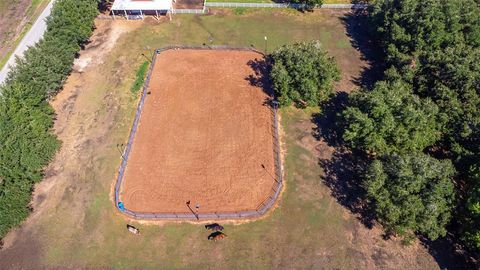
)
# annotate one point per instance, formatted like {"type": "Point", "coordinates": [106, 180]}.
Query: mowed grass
{"type": "Point", "coordinates": [308, 229]}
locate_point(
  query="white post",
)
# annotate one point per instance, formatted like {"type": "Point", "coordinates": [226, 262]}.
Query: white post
{"type": "Point", "coordinates": [113, 14]}
{"type": "Point", "coordinates": [141, 14]}
{"type": "Point", "coordinates": [126, 16]}
{"type": "Point", "coordinates": [156, 13]}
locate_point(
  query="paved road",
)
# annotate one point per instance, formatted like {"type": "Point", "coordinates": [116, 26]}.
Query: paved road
{"type": "Point", "coordinates": [33, 36]}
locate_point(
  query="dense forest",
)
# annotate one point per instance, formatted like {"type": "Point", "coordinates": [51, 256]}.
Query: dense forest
{"type": "Point", "coordinates": [418, 125]}
{"type": "Point", "coordinates": [27, 143]}
{"type": "Point", "coordinates": [431, 50]}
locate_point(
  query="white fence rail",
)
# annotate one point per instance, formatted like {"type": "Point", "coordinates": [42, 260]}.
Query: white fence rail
{"type": "Point", "coordinates": [188, 11]}
{"type": "Point", "coordinates": [283, 5]}
{"type": "Point", "coordinates": [252, 5]}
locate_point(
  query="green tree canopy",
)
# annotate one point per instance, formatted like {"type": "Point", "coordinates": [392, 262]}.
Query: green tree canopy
{"type": "Point", "coordinates": [471, 220]}
{"type": "Point", "coordinates": [411, 193]}
{"type": "Point", "coordinates": [410, 30]}
{"type": "Point", "coordinates": [436, 45]}
{"type": "Point", "coordinates": [303, 73]}
{"type": "Point", "coordinates": [27, 145]}
{"type": "Point", "coordinates": [27, 142]}
{"type": "Point", "coordinates": [430, 94]}
{"type": "Point", "coordinates": [390, 119]}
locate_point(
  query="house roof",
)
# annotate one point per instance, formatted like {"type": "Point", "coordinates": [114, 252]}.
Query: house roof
{"type": "Point", "coordinates": [142, 5]}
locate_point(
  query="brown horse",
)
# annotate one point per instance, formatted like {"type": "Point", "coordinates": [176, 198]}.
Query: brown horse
{"type": "Point", "coordinates": [214, 227]}
{"type": "Point", "coordinates": [216, 236]}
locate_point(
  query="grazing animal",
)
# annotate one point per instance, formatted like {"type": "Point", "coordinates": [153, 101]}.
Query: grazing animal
{"type": "Point", "coordinates": [216, 236]}
{"type": "Point", "coordinates": [133, 229]}
{"type": "Point", "coordinates": [214, 227]}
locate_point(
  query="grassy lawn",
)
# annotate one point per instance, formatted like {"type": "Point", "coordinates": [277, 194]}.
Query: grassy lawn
{"type": "Point", "coordinates": [30, 15]}
{"type": "Point", "coordinates": [301, 228]}
{"type": "Point", "coordinates": [80, 227]}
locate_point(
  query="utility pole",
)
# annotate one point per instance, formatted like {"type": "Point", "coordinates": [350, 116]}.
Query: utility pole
{"type": "Point", "coordinates": [266, 44]}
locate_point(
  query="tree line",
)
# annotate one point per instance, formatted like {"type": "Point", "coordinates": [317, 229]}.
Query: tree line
{"type": "Point", "coordinates": [419, 125]}
{"type": "Point", "coordinates": [431, 49]}
{"type": "Point", "coordinates": [27, 142]}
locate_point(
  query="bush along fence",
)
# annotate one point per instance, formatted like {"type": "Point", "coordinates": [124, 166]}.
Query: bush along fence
{"type": "Point", "coordinates": [259, 211]}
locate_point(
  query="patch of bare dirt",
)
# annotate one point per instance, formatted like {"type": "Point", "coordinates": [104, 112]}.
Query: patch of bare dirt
{"type": "Point", "coordinates": [154, 21]}
{"type": "Point", "coordinates": [102, 42]}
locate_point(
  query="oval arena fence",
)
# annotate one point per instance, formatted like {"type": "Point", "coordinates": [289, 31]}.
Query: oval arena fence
{"type": "Point", "coordinates": [259, 211]}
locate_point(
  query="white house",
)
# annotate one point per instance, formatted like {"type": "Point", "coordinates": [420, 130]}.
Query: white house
{"type": "Point", "coordinates": [140, 8]}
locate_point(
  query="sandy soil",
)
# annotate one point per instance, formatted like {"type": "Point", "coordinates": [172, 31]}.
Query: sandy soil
{"type": "Point", "coordinates": [204, 135]}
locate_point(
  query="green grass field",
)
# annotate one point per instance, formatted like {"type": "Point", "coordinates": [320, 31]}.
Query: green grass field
{"type": "Point", "coordinates": [301, 227]}
{"type": "Point", "coordinates": [308, 230]}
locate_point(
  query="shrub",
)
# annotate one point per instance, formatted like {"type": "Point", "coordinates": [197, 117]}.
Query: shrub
{"type": "Point", "coordinates": [303, 73]}
{"type": "Point", "coordinates": [140, 77]}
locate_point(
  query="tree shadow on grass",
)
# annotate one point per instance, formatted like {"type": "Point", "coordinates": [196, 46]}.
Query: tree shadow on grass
{"type": "Point", "coordinates": [449, 253]}
{"type": "Point", "coordinates": [363, 38]}
{"type": "Point", "coordinates": [342, 174]}
{"type": "Point", "coordinates": [343, 170]}
{"type": "Point", "coordinates": [327, 122]}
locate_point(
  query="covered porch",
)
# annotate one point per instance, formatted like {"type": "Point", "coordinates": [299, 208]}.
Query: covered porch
{"type": "Point", "coordinates": [138, 9]}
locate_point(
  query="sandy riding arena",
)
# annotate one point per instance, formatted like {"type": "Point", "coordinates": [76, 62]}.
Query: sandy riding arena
{"type": "Point", "coordinates": [205, 136]}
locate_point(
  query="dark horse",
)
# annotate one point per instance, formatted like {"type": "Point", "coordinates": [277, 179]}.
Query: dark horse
{"type": "Point", "coordinates": [214, 227]}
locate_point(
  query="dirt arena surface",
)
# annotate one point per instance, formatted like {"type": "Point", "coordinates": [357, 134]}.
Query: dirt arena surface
{"type": "Point", "coordinates": [204, 134]}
